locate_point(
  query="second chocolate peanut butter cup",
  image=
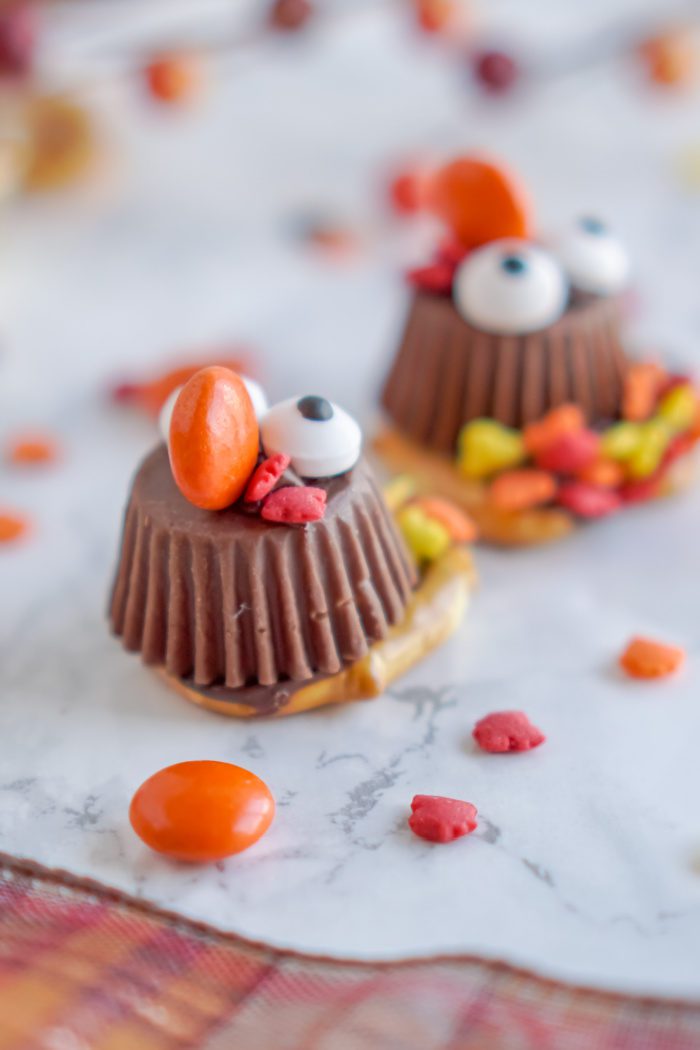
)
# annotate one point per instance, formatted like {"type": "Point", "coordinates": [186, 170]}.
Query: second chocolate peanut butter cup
{"type": "Point", "coordinates": [447, 372]}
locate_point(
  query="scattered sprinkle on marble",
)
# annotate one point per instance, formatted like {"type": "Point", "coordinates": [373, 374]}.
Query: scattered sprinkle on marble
{"type": "Point", "coordinates": [646, 658]}
{"type": "Point", "coordinates": [439, 819]}
{"type": "Point", "coordinates": [503, 731]}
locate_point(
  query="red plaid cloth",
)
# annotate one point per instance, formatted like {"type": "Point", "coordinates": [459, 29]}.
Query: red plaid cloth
{"type": "Point", "coordinates": [83, 967]}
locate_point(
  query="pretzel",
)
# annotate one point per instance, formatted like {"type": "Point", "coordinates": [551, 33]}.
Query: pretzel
{"type": "Point", "coordinates": [437, 475]}
{"type": "Point", "coordinates": [432, 615]}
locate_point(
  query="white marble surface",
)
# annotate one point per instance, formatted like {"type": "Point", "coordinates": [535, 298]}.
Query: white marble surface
{"type": "Point", "coordinates": [582, 864]}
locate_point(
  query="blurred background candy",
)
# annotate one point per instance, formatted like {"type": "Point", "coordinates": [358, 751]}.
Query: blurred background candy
{"type": "Point", "coordinates": [173, 55]}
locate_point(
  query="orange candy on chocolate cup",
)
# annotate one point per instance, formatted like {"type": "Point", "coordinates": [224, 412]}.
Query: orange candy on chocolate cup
{"type": "Point", "coordinates": [213, 438]}
{"type": "Point", "coordinates": [480, 201]}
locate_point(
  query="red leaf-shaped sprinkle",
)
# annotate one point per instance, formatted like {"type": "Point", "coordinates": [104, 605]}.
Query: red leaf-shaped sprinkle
{"type": "Point", "coordinates": [295, 505]}
{"type": "Point", "coordinates": [265, 477]}
{"type": "Point", "coordinates": [436, 278]}
{"type": "Point", "coordinates": [507, 731]}
{"type": "Point", "coordinates": [439, 819]}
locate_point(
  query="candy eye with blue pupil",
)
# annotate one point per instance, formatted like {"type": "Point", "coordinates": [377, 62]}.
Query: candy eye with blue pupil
{"type": "Point", "coordinates": [514, 264]}
{"type": "Point", "coordinates": [510, 287]}
{"type": "Point", "coordinates": [594, 258]}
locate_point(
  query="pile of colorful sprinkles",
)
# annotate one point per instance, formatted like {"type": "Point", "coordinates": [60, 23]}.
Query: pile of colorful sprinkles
{"type": "Point", "coordinates": [560, 461]}
{"type": "Point", "coordinates": [430, 525]}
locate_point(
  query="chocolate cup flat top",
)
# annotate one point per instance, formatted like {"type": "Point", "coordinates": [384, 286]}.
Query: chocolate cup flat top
{"type": "Point", "coordinates": [155, 488]}
{"type": "Point", "coordinates": [225, 598]}
{"type": "Point", "coordinates": [446, 373]}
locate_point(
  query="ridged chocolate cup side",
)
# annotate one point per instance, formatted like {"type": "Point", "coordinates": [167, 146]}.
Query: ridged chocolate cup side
{"type": "Point", "coordinates": [447, 373]}
{"type": "Point", "coordinates": [225, 597]}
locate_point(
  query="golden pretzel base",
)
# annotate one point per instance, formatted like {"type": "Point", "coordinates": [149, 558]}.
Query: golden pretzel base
{"type": "Point", "coordinates": [433, 614]}
{"type": "Point", "coordinates": [437, 475]}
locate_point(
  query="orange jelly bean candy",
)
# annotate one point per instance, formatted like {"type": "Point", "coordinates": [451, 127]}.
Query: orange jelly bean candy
{"type": "Point", "coordinates": [521, 489]}
{"type": "Point", "coordinates": [480, 201]}
{"type": "Point", "coordinates": [201, 811]}
{"type": "Point", "coordinates": [641, 391]}
{"type": "Point", "coordinates": [645, 658]}
{"type": "Point", "coordinates": [213, 438]}
{"type": "Point", "coordinates": [561, 420]}
{"type": "Point", "coordinates": [460, 526]}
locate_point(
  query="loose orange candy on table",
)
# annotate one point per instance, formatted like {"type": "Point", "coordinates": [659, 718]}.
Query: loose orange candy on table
{"type": "Point", "coordinates": [13, 526]}
{"type": "Point", "coordinates": [480, 201]}
{"type": "Point", "coordinates": [646, 658]}
{"type": "Point", "coordinates": [521, 489]}
{"type": "Point", "coordinates": [213, 438]}
{"type": "Point", "coordinates": [30, 449]}
{"type": "Point", "coordinates": [201, 811]}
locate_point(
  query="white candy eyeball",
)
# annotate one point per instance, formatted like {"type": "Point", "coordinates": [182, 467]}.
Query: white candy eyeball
{"type": "Point", "coordinates": [255, 392]}
{"type": "Point", "coordinates": [510, 286]}
{"type": "Point", "coordinates": [257, 396]}
{"type": "Point", "coordinates": [320, 438]}
{"type": "Point", "coordinates": [594, 258]}
{"type": "Point", "coordinates": [166, 414]}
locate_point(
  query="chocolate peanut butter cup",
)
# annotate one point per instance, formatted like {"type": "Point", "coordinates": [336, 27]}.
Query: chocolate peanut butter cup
{"type": "Point", "coordinates": [261, 570]}
{"type": "Point", "coordinates": [511, 391]}
{"type": "Point", "coordinates": [447, 372]}
{"type": "Point", "coordinates": [227, 598]}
